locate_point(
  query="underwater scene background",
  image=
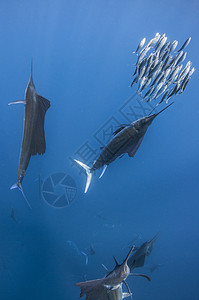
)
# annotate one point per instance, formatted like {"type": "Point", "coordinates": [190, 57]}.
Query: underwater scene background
{"type": "Point", "coordinates": [83, 63]}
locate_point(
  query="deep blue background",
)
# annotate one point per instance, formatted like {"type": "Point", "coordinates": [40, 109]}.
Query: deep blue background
{"type": "Point", "coordinates": [83, 63]}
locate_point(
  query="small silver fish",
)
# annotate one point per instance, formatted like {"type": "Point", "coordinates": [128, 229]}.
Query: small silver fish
{"type": "Point", "coordinates": [143, 80]}
{"type": "Point", "coordinates": [161, 91]}
{"type": "Point", "coordinates": [162, 50]}
{"type": "Point", "coordinates": [142, 54]}
{"type": "Point", "coordinates": [157, 78]}
{"type": "Point", "coordinates": [135, 80]}
{"type": "Point", "coordinates": [166, 63]}
{"type": "Point", "coordinates": [191, 71]}
{"type": "Point", "coordinates": [175, 58]}
{"type": "Point", "coordinates": [183, 73]}
{"type": "Point", "coordinates": [153, 40]}
{"type": "Point", "coordinates": [142, 64]}
{"type": "Point", "coordinates": [147, 82]}
{"type": "Point", "coordinates": [166, 53]}
{"type": "Point", "coordinates": [149, 62]}
{"type": "Point", "coordinates": [181, 59]}
{"type": "Point", "coordinates": [141, 73]}
{"type": "Point", "coordinates": [141, 44]}
{"type": "Point", "coordinates": [159, 41]}
{"type": "Point", "coordinates": [164, 96]}
{"type": "Point", "coordinates": [162, 42]}
{"type": "Point", "coordinates": [185, 85]}
{"type": "Point", "coordinates": [175, 73]}
{"type": "Point", "coordinates": [173, 46]}
{"type": "Point", "coordinates": [186, 43]}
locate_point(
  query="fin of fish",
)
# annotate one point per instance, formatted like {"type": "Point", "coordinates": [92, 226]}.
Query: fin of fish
{"type": "Point", "coordinates": [141, 275]}
{"type": "Point", "coordinates": [131, 152]}
{"type": "Point", "coordinates": [106, 269]}
{"type": "Point", "coordinates": [116, 262]}
{"type": "Point", "coordinates": [19, 186]}
{"type": "Point", "coordinates": [17, 102]}
{"type": "Point", "coordinates": [126, 295]}
{"type": "Point", "coordinates": [38, 143]}
{"type": "Point", "coordinates": [91, 288]}
{"type": "Point", "coordinates": [88, 172]}
{"type": "Point", "coordinates": [128, 288]}
{"type": "Point", "coordinates": [86, 256]}
{"type": "Point", "coordinates": [134, 262]}
{"type": "Point", "coordinates": [119, 129]}
{"type": "Point", "coordinates": [103, 171]}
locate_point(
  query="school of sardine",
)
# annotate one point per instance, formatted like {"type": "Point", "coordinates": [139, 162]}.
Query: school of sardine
{"type": "Point", "coordinates": [159, 72]}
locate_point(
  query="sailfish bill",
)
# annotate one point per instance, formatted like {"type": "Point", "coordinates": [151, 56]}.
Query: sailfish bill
{"type": "Point", "coordinates": [33, 141]}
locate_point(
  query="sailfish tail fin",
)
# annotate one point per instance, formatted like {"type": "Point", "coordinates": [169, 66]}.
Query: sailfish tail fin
{"type": "Point", "coordinates": [19, 186]}
{"type": "Point", "coordinates": [88, 172]}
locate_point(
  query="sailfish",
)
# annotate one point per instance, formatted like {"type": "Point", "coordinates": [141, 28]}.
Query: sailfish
{"type": "Point", "coordinates": [109, 287]}
{"type": "Point", "coordinates": [33, 141]}
{"type": "Point", "coordinates": [127, 139]}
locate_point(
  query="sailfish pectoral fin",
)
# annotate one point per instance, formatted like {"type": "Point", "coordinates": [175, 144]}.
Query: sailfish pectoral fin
{"type": "Point", "coordinates": [103, 171]}
{"type": "Point", "coordinates": [17, 102]}
{"type": "Point", "coordinates": [19, 186]}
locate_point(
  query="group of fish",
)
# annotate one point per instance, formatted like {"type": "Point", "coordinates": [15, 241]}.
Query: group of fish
{"type": "Point", "coordinates": [111, 286]}
{"type": "Point", "coordinates": [159, 70]}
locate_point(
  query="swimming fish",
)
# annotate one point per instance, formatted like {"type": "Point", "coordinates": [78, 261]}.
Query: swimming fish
{"type": "Point", "coordinates": [109, 287]}
{"type": "Point", "coordinates": [186, 43]}
{"type": "Point", "coordinates": [77, 250]}
{"type": "Point", "coordinates": [137, 260]}
{"type": "Point", "coordinates": [127, 139]}
{"type": "Point", "coordinates": [33, 141]}
{"type": "Point", "coordinates": [141, 44]}
{"type": "Point", "coordinates": [12, 215]}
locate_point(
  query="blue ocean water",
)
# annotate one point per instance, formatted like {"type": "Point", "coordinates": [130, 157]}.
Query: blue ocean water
{"type": "Point", "coordinates": [83, 63]}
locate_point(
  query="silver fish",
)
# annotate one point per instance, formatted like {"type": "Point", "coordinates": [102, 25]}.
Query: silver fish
{"type": "Point", "coordinates": [183, 73]}
{"type": "Point", "coordinates": [174, 73]}
{"type": "Point", "coordinates": [153, 40]}
{"type": "Point", "coordinates": [181, 59]}
{"type": "Point", "coordinates": [166, 53]}
{"type": "Point", "coordinates": [142, 71]}
{"type": "Point", "coordinates": [186, 43]}
{"type": "Point", "coordinates": [161, 44]}
{"type": "Point", "coordinates": [143, 80]}
{"type": "Point", "coordinates": [173, 46]}
{"type": "Point", "coordinates": [162, 50]}
{"type": "Point", "coordinates": [175, 58]}
{"type": "Point", "coordinates": [157, 78]}
{"type": "Point", "coordinates": [191, 71]}
{"type": "Point", "coordinates": [142, 64]}
{"type": "Point", "coordinates": [149, 62]}
{"type": "Point", "coordinates": [159, 41]}
{"type": "Point", "coordinates": [141, 44]}
{"type": "Point", "coordinates": [142, 54]}
{"type": "Point", "coordinates": [164, 96]}
{"type": "Point", "coordinates": [166, 63]}
{"type": "Point", "coordinates": [147, 82]}
{"type": "Point", "coordinates": [161, 91]}
{"type": "Point", "coordinates": [185, 85]}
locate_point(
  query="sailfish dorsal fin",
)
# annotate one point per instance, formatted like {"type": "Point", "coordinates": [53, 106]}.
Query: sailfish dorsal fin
{"type": "Point", "coordinates": [38, 143]}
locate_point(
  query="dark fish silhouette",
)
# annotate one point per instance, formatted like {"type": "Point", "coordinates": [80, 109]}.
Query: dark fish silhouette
{"type": "Point", "coordinates": [33, 141]}
{"type": "Point", "coordinates": [92, 250]}
{"type": "Point", "coordinates": [137, 260]}
{"type": "Point", "coordinates": [12, 215]}
{"type": "Point", "coordinates": [109, 287]}
{"type": "Point", "coordinates": [127, 139]}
